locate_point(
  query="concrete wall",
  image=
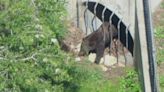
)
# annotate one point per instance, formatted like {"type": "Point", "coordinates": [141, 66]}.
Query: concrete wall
{"type": "Point", "coordinates": [125, 9]}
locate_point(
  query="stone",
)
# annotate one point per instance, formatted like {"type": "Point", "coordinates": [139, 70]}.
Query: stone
{"type": "Point", "coordinates": [92, 57]}
{"type": "Point", "coordinates": [109, 60]}
{"type": "Point", "coordinates": [77, 59]}
{"type": "Point", "coordinates": [77, 48]}
{"type": "Point", "coordinates": [130, 61]}
{"type": "Point", "coordinates": [103, 68]}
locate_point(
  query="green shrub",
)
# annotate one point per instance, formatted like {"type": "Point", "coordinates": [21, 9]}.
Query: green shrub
{"type": "Point", "coordinates": [161, 83]}
{"type": "Point", "coordinates": [29, 60]}
{"type": "Point", "coordinates": [159, 38]}
{"type": "Point", "coordinates": [162, 5]}
{"type": "Point", "coordinates": [130, 82]}
{"type": "Point", "coordinates": [159, 31]}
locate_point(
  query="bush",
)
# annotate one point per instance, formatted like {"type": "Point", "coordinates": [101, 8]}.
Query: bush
{"type": "Point", "coordinates": [29, 60]}
{"type": "Point", "coordinates": [130, 82]}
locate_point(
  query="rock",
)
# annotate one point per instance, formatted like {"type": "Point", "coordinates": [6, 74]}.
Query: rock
{"type": "Point", "coordinates": [129, 58]}
{"type": "Point", "coordinates": [77, 48]}
{"type": "Point", "coordinates": [109, 60]}
{"type": "Point", "coordinates": [72, 46]}
{"type": "Point", "coordinates": [104, 68]}
{"type": "Point", "coordinates": [92, 57]}
{"type": "Point", "coordinates": [121, 58]}
{"type": "Point", "coordinates": [120, 64]}
{"type": "Point", "coordinates": [77, 59]}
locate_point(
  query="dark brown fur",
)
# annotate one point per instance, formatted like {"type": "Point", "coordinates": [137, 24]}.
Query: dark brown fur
{"type": "Point", "coordinates": [98, 40]}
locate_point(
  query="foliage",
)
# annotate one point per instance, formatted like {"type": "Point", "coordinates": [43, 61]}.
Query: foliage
{"type": "Point", "coordinates": [162, 82]}
{"type": "Point", "coordinates": [162, 5]}
{"type": "Point", "coordinates": [160, 50]}
{"type": "Point", "coordinates": [159, 31]}
{"type": "Point", "coordinates": [130, 82]}
{"type": "Point", "coordinates": [159, 38]}
{"type": "Point", "coordinates": [160, 56]}
{"type": "Point", "coordinates": [30, 56]}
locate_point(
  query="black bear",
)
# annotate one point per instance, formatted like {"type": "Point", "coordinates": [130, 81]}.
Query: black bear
{"type": "Point", "coordinates": [98, 40]}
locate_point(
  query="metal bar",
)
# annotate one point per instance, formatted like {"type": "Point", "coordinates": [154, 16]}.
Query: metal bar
{"type": "Point", "coordinates": [103, 28]}
{"type": "Point", "coordinates": [151, 46]}
{"type": "Point", "coordinates": [94, 16]}
{"type": "Point", "coordinates": [92, 23]}
{"type": "Point", "coordinates": [118, 27]}
{"type": "Point", "coordinates": [127, 28]}
{"type": "Point", "coordinates": [86, 18]}
{"type": "Point", "coordinates": [103, 14]}
{"type": "Point", "coordinates": [110, 21]}
{"type": "Point", "coordinates": [77, 12]}
{"type": "Point", "coordinates": [103, 21]}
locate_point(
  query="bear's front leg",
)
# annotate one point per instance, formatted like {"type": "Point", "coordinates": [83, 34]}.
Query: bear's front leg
{"type": "Point", "coordinates": [99, 52]}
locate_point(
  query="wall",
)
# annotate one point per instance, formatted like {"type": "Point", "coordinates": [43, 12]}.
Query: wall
{"type": "Point", "coordinates": [125, 9]}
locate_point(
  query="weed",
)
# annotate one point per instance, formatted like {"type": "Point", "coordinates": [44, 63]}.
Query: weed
{"type": "Point", "coordinates": [162, 83]}
{"type": "Point", "coordinates": [159, 32]}
{"type": "Point", "coordinates": [162, 5]}
{"type": "Point", "coordinates": [130, 83]}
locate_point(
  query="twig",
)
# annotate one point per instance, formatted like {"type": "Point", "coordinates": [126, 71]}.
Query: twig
{"type": "Point", "coordinates": [31, 57]}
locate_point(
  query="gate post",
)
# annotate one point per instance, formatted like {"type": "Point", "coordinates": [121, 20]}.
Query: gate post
{"type": "Point", "coordinates": [140, 47]}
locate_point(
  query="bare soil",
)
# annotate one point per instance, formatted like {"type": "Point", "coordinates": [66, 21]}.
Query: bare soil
{"type": "Point", "coordinates": [72, 39]}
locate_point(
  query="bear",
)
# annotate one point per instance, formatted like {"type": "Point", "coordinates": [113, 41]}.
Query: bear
{"type": "Point", "coordinates": [98, 40]}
